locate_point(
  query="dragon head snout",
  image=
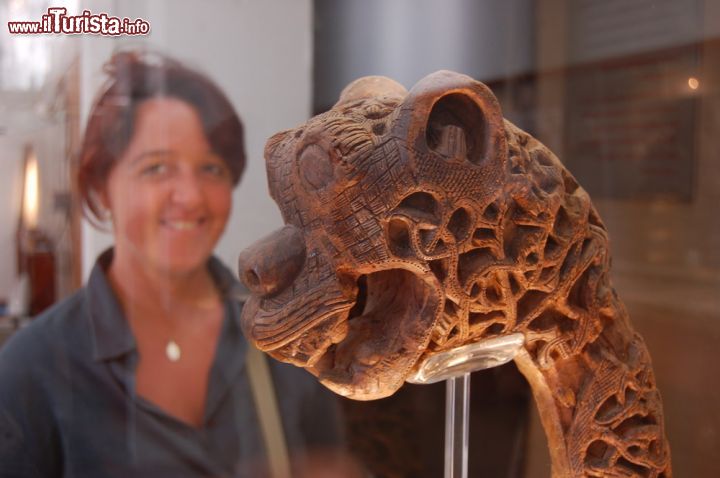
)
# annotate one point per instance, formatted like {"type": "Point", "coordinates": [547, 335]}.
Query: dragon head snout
{"type": "Point", "coordinates": [272, 263]}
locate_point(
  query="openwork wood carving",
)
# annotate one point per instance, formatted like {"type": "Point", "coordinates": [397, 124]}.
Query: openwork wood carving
{"type": "Point", "coordinates": [420, 221]}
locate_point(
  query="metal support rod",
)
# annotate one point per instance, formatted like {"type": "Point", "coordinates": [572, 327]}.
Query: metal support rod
{"type": "Point", "coordinates": [457, 416]}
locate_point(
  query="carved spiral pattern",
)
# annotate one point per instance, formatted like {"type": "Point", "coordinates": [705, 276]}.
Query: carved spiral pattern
{"type": "Point", "coordinates": [535, 260]}
{"type": "Point", "coordinates": [462, 227]}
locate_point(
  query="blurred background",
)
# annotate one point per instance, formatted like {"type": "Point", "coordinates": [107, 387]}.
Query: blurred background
{"type": "Point", "coordinates": [625, 92]}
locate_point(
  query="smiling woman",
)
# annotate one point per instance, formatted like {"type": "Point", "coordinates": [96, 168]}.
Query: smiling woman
{"type": "Point", "coordinates": [169, 194]}
{"type": "Point", "coordinates": [112, 121]}
{"type": "Point", "coordinates": [143, 372]}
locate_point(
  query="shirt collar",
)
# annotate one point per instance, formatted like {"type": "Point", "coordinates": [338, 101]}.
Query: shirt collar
{"type": "Point", "coordinates": [112, 336]}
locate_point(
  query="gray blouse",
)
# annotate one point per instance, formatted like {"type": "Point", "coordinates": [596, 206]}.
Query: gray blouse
{"type": "Point", "coordinates": [68, 405]}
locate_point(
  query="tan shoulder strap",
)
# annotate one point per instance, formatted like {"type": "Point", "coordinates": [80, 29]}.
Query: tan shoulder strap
{"type": "Point", "coordinates": [268, 413]}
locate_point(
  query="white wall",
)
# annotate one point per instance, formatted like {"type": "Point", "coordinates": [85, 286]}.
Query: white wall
{"type": "Point", "coordinates": [11, 152]}
{"type": "Point", "coordinates": [258, 51]}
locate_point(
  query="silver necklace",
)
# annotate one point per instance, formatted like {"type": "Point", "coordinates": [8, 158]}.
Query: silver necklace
{"type": "Point", "coordinates": [172, 351]}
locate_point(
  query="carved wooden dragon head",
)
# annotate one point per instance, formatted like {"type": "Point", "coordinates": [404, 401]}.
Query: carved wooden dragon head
{"type": "Point", "coordinates": [420, 221]}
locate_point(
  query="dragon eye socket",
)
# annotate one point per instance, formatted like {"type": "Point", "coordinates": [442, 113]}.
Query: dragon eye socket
{"type": "Point", "coordinates": [315, 166]}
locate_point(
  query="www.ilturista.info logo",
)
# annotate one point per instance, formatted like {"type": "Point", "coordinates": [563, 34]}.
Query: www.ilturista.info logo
{"type": "Point", "coordinates": [58, 21]}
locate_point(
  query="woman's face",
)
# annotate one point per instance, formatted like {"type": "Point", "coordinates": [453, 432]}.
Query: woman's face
{"type": "Point", "coordinates": [169, 195]}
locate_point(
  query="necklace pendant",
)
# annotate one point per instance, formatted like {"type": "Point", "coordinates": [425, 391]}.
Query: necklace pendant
{"type": "Point", "coordinates": [172, 351]}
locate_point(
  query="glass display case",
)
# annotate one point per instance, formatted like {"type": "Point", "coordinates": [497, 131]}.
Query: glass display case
{"type": "Point", "coordinates": [625, 94]}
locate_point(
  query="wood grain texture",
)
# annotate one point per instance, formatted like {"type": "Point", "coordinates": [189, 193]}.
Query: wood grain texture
{"type": "Point", "coordinates": [420, 221]}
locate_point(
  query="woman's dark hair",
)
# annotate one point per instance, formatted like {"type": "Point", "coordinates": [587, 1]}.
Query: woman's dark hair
{"type": "Point", "coordinates": [133, 78]}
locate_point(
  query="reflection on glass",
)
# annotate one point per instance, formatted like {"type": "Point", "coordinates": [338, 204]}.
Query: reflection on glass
{"type": "Point", "coordinates": [468, 358]}
{"type": "Point", "coordinates": [31, 194]}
